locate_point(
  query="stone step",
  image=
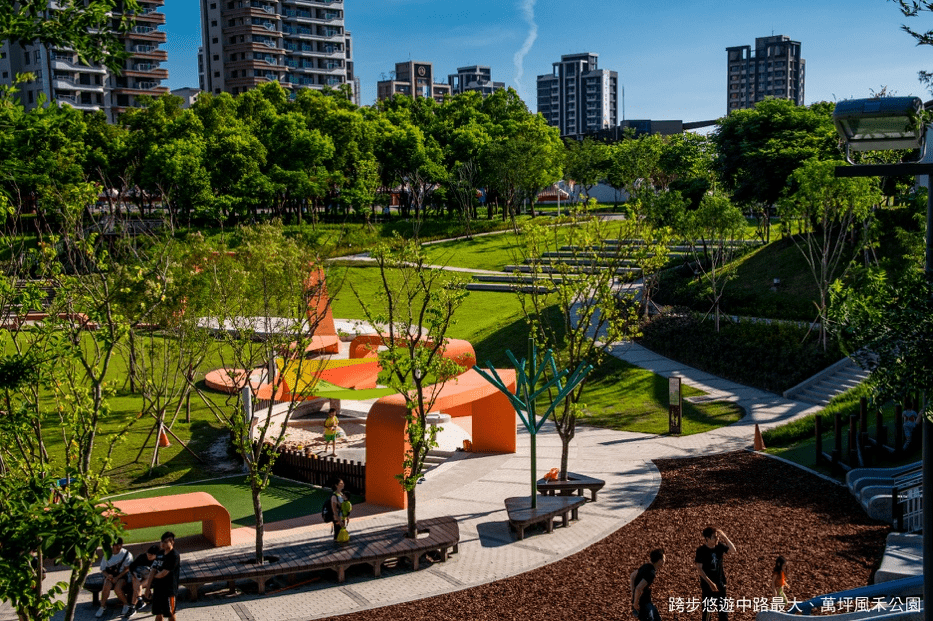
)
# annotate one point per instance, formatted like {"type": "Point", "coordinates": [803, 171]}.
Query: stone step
{"type": "Point", "coordinates": [505, 288]}
{"type": "Point", "coordinates": [524, 279]}
{"type": "Point", "coordinates": [579, 261]}
{"type": "Point", "coordinates": [550, 269]}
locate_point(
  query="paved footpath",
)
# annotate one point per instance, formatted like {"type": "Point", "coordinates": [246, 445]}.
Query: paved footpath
{"type": "Point", "coordinates": [472, 488]}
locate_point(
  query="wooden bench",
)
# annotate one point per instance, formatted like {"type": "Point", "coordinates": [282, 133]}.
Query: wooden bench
{"type": "Point", "coordinates": [574, 481]}
{"type": "Point", "coordinates": [521, 515]}
{"type": "Point", "coordinates": [179, 509]}
{"type": "Point", "coordinates": [366, 548]}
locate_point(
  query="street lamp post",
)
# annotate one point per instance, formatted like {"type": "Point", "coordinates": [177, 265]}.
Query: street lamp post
{"type": "Point", "coordinates": [883, 124]}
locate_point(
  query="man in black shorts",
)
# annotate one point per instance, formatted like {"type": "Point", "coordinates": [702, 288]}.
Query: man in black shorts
{"type": "Point", "coordinates": [165, 570]}
{"type": "Point", "coordinates": [641, 582]}
{"type": "Point", "coordinates": [139, 572]}
{"type": "Point", "coordinates": [708, 560]}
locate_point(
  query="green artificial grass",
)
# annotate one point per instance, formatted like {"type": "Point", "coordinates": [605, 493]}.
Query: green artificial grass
{"type": "Point", "coordinates": [282, 500]}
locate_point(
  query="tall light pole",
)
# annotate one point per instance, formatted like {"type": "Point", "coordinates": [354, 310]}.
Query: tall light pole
{"type": "Point", "coordinates": [883, 124]}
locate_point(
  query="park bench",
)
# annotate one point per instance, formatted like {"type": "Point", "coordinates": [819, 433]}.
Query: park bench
{"type": "Point", "coordinates": [522, 515]}
{"type": "Point", "coordinates": [292, 558]}
{"type": "Point", "coordinates": [178, 509]}
{"type": "Point", "coordinates": [575, 482]}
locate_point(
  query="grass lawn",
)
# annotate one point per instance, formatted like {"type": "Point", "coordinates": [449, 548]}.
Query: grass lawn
{"type": "Point", "coordinates": [282, 500]}
{"type": "Point", "coordinates": [489, 252]}
{"type": "Point", "coordinates": [627, 398]}
{"type": "Point", "coordinates": [126, 472]}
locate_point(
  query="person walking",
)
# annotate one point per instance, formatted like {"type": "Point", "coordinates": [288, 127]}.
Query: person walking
{"type": "Point", "coordinates": [115, 569]}
{"type": "Point", "coordinates": [709, 564]}
{"type": "Point", "coordinates": [165, 570]}
{"type": "Point", "coordinates": [641, 582]}
{"type": "Point", "coordinates": [779, 579]}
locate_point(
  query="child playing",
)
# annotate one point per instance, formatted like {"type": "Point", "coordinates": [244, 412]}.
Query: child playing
{"type": "Point", "coordinates": [332, 431]}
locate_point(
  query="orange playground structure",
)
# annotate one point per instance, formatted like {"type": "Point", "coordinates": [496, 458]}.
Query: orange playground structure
{"type": "Point", "coordinates": [179, 509]}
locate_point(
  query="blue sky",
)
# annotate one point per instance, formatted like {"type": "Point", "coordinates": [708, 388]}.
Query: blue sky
{"type": "Point", "coordinates": [670, 56]}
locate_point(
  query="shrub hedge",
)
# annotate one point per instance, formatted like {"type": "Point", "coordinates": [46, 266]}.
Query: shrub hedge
{"type": "Point", "coordinates": [770, 357]}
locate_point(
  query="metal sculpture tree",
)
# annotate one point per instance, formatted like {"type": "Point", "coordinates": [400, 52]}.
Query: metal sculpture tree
{"type": "Point", "coordinates": [526, 396]}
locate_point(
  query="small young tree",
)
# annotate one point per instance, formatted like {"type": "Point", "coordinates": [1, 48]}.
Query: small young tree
{"type": "Point", "coordinates": [413, 311]}
{"type": "Point", "coordinates": [830, 211]}
{"type": "Point", "coordinates": [581, 312]}
{"type": "Point", "coordinates": [715, 231]}
{"type": "Point", "coordinates": [264, 301]}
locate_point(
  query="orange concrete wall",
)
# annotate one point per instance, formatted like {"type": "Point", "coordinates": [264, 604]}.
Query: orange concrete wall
{"type": "Point", "coordinates": [494, 430]}
{"type": "Point", "coordinates": [179, 509]}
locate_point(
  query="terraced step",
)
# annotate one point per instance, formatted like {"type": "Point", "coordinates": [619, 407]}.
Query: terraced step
{"type": "Point", "coordinates": [506, 287]}
{"type": "Point", "coordinates": [550, 269]}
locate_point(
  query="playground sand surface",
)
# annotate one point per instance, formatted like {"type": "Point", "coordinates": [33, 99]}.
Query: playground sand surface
{"type": "Point", "coordinates": [766, 507]}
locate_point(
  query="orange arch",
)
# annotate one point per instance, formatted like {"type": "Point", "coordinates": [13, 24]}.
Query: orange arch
{"type": "Point", "coordinates": [494, 430]}
{"type": "Point", "coordinates": [458, 350]}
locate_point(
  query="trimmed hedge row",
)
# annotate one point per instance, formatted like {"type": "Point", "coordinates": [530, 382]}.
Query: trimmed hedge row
{"type": "Point", "coordinates": [769, 357]}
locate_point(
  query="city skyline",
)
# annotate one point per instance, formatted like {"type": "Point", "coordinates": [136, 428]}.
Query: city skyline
{"type": "Point", "coordinates": [671, 59]}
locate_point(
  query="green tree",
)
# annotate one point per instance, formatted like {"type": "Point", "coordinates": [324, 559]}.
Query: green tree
{"type": "Point", "coordinates": [86, 26]}
{"type": "Point", "coordinates": [830, 211]}
{"type": "Point", "coordinates": [580, 313]}
{"type": "Point", "coordinates": [263, 304]}
{"type": "Point", "coordinates": [715, 236]}
{"type": "Point", "coordinates": [633, 165]}
{"type": "Point", "coordinates": [586, 163]}
{"type": "Point", "coordinates": [776, 136]}
{"type": "Point", "coordinates": [416, 305]}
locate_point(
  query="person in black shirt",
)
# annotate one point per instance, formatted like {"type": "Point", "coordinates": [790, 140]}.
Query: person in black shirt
{"type": "Point", "coordinates": [709, 559]}
{"type": "Point", "coordinates": [139, 571]}
{"type": "Point", "coordinates": [165, 570]}
{"type": "Point", "coordinates": [641, 582]}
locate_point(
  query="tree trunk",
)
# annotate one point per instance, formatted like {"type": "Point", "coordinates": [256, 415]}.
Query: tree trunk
{"type": "Point", "coordinates": [412, 519]}
{"type": "Point", "coordinates": [257, 511]}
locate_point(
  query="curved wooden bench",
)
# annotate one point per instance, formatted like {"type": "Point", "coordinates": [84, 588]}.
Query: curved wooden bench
{"type": "Point", "coordinates": [179, 509]}
{"type": "Point", "coordinates": [366, 548]}
{"type": "Point", "coordinates": [575, 482]}
{"type": "Point", "coordinates": [522, 515]}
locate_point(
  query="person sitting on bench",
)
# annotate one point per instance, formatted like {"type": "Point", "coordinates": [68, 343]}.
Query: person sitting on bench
{"type": "Point", "coordinates": [115, 569]}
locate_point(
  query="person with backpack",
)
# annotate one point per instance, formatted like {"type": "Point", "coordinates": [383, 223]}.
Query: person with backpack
{"type": "Point", "coordinates": [336, 510]}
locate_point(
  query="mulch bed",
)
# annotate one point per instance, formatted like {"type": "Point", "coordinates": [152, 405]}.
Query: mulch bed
{"type": "Point", "coordinates": [764, 506]}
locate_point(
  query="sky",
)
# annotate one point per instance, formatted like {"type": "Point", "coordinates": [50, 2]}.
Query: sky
{"type": "Point", "coordinates": [670, 56]}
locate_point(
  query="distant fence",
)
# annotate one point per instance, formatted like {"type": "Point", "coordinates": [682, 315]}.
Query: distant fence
{"type": "Point", "coordinates": [309, 468]}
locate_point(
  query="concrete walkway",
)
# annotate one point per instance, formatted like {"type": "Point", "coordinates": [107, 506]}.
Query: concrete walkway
{"type": "Point", "coordinates": [472, 488]}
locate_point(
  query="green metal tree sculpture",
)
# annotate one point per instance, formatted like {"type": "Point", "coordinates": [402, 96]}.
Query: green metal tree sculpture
{"type": "Point", "coordinates": [528, 374]}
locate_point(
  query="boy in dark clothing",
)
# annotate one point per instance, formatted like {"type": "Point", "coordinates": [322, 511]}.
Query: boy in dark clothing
{"type": "Point", "coordinates": [709, 563]}
{"type": "Point", "coordinates": [641, 582]}
{"type": "Point", "coordinates": [139, 571]}
{"type": "Point", "coordinates": [165, 570]}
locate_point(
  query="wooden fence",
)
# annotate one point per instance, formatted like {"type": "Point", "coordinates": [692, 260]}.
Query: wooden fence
{"type": "Point", "coordinates": [309, 468]}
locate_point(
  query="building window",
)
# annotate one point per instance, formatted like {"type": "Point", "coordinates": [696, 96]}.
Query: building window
{"type": "Point", "coordinates": [31, 97]}
{"type": "Point", "coordinates": [217, 90]}
{"type": "Point", "coordinates": [5, 74]}
{"type": "Point", "coordinates": [214, 23]}
{"type": "Point", "coordinates": [38, 56]}
{"type": "Point", "coordinates": [216, 74]}
{"type": "Point", "coordinates": [216, 56]}
{"type": "Point", "coordinates": [232, 39]}
{"type": "Point", "coordinates": [214, 40]}
{"type": "Point", "coordinates": [213, 5]}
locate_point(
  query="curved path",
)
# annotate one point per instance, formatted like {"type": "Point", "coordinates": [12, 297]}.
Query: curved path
{"type": "Point", "coordinates": [472, 488]}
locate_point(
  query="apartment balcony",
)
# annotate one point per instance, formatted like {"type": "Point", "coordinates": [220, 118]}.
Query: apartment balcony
{"type": "Point", "coordinates": [157, 73]}
{"type": "Point", "coordinates": [147, 33]}
{"type": "Point", "coordinates": [150, 17]}
{"type": "Point", "coordinates": [149, 52]}
{"type": "Point", "coordinates": [153, 91]}
{"type": "Point", "coordinates": [69, 65]}
{"type": "Point", "coordinates": [70, 84]}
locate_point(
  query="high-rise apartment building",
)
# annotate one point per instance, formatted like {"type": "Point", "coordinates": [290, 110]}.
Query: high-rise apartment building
{"type": "Point", "coordinates": [415, 79]}
{"type": "Point", "coordinates": [474, 78]}
{"type": "Point", "coordinates": [300, 43]}
{"type": "Point", "coordinates": [773, 69]}
{"type": "Point", "coordinates": [61, 77]}
{"type": "Point", "coordinates": [578, 97]}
